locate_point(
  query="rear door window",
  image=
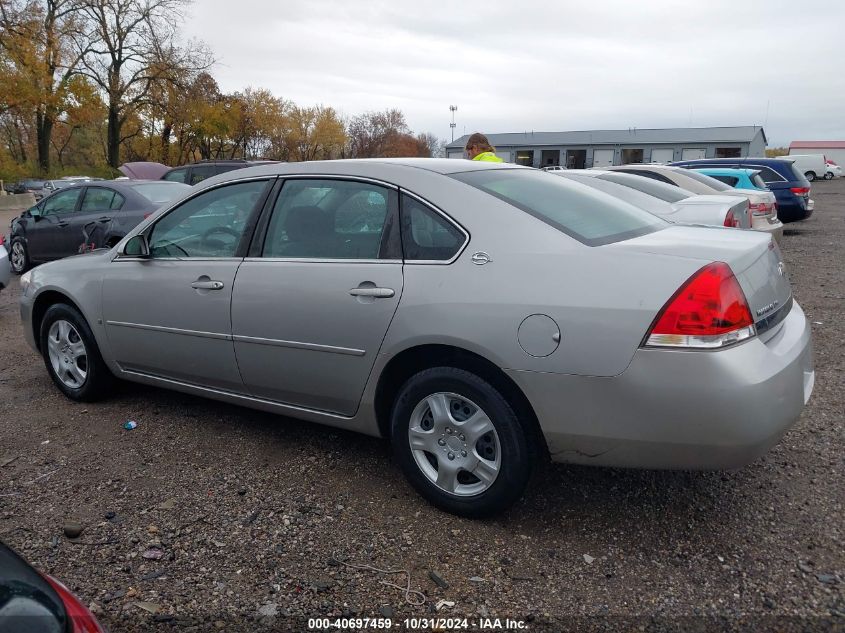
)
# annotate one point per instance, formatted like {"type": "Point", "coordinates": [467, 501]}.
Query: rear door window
{"type": "Point", "coordinates": [589, 216]}
{"type": "Point", "coordinates": [201, 172]}
{"type": "Point", "coordinates": [101, 199]}
{"type": "Point", "coordinates": [427, 235]}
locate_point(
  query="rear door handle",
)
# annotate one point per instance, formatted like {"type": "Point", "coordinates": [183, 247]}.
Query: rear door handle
{"type": "Point", "coordinates": [379, 293]}
{"type": "Point", "coordinates": [62, 223]}
{"type": "Point", "coordinates": [105, 218]}
{"type": "Point", "coordinates": [209, 284]}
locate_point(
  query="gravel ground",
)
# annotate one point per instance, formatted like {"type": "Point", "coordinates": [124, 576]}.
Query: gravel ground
{"type": "Point", "coordinates": [214, 517]}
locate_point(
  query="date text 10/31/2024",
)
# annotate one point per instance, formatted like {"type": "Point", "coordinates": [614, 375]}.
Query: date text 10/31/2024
{"type": "Point", "coordinates": [436, 624]}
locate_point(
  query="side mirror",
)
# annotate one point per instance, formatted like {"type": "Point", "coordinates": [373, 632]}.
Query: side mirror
{"type": "Point", "coordinates": [137, 246]}
{"type": "Point", "coordinates": [35, 213]}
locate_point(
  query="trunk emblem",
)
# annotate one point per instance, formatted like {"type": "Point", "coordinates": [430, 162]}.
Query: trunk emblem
{"type": "Point", "coordinates": [768, 308]}
{"type": "Point", "coordinates": [480, 258]}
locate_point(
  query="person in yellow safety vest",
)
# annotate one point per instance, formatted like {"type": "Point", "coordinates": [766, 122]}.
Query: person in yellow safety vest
{"type": "Point", "coordinates": [478, 148]}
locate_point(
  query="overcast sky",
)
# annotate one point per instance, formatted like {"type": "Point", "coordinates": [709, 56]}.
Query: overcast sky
{"type": "Point", "coordinates": [514, 67]}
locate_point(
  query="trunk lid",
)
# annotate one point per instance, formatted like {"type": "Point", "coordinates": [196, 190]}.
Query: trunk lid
{"type": "Point", "coordinates": [754, 258]}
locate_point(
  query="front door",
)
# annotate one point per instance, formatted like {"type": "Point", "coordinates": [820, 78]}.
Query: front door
{"type": "Point", "coordinates": [168, 315]}
{"type": "Point", "coordinates": [310, 312]}
{"type": "Point", "coordinates": [53, 228]}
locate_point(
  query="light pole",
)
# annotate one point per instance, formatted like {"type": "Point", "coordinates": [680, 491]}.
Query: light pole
{"type": "Point", "coordinates": [453, 109]}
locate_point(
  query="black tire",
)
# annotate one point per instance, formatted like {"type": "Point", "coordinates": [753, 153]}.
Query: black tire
{"type": "Point", "coordinates": [514, 441]}
{"type": "Point", "coordinates": [828, 175]}
{"type": "Point", "coordinates": [810, 175]}
{"type": "Point", "coordinates": [98, 381]}
{"type": "Point", "coordinates": [19, 261]}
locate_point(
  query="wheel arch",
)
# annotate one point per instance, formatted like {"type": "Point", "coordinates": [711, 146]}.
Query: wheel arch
{"type": "Point", "coordinates": [40, 306]}
{"type": "Point", "coordinates": [415, 359]}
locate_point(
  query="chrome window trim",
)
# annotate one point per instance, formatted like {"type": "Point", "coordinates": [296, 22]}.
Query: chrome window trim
{"type": "Point", "coordinates": [368, 179]}
{"type": "Point", "coordinates": [321, 260]}
{"type": "Point", "coordinates": [450, 220]}
{"type": "Point", "coordinates": [135, 258]}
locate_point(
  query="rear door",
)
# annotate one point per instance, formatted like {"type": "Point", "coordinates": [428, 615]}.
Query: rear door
{"type": "Point", "coordinates": [311, 308]}
{"type": "Point", "coordinates": [90, 224]}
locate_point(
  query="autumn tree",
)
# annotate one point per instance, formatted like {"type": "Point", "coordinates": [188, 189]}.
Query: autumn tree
{"type": "Point", "coordinates": [44, 42]}
{"type": "Point", "coordinates": [136, 47]}
{"type": "Point", "coordinates": [316, 133]}
{"type": "Point", "coordinates": [373, 133]}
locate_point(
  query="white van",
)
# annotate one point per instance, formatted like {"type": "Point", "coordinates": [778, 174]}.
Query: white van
{"type": "Point", "coordinates": [813, 166]}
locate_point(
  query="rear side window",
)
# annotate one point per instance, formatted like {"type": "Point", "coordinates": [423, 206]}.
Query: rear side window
{"type": "Point", "coordinates": [589, 216]}
{"type": "Point", "coordinates": [176, 175]}
{"type": "Point", "coordinates": [427, 235]}
{"type": "Point", "coordinates": [198, 174]}
{"type": "Point", "coordinates": [758, 182]}
{"type": "Point", "coordinates": [709, 181]}
{"type": "Point", "coordinates": [728, 180]}
{"type": "Point", "coordinates": [667, 193]}
{"type": "Point", "coordinates": [101, 199]}
{"type": "Point", "coordinates": [770, 175]}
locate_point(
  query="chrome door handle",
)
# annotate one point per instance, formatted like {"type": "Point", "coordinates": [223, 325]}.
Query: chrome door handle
{"type": "Point", "coordinates": [207, 285]}
{"type": "Point", "coordinates": [379, 293]}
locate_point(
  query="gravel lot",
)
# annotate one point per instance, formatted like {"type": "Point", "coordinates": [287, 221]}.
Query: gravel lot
{"type": "Point", "coordinates": [213, 517]}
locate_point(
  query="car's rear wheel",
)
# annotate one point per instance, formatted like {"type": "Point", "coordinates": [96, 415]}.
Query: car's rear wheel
{"type": "Point", "coordinates": [459, 442]}
{"type": "Point", "coordinates": [71, 354]}
{"type": "Point", "coordinates": [810, 175]}
{"type": "Point", "coordinates": [828, 175]}
{"type": "Point", "coordinates": [18, 257]}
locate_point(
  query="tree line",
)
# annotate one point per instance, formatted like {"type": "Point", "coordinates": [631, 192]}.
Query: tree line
{"type": "Point", "coordinates": [87, 85]}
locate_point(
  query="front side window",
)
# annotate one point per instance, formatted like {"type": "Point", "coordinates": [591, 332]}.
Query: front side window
{"type": "Point", "coordinates": [427, 235]}
{"type": "Point", "coordinates": [211, 224]}
{"type": "Point", "coordinates": [589, 216]}
{"type": "Point", "coordinates": [61, 203]}
{"type": "Point", "coordinates": [100, 199]}
{"type": "Point", "coordinates": [329, 219]}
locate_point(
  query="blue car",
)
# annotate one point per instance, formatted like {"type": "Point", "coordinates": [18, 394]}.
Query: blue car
{"type": "Point", "coordinates": [790, 187]}
{"type": "Point", "coordinates": [736, 178]}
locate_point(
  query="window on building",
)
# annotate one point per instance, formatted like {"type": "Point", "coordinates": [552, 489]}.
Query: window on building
{"type": "Point", "coordinates": [525, 157]}
{"type": "Point", "coordinates": [631, 156]}
{"type": "Point", "coordinates": [576, 158]}
{"type": "Point", "coordinates": [550, 157]}
{"type": "Point", "coordinates": [727, 152]}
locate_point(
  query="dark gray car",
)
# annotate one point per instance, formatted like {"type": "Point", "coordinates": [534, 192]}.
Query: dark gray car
{"type": "Point", "coordinates": [84, 217]}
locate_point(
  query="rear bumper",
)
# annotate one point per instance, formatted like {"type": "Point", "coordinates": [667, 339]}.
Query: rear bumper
{"type": "Point", "coordinates": [772, 226]}
{"type": "Point", "coordinates": [679, 410]}
{"type": "Point", "coordinates": [794, 208]}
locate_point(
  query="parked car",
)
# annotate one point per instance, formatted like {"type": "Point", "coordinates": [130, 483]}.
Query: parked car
{"type": "Point", "coordinates": [735, 178]}
{"type": "Point", "coordinates": [763, 204]}
{"type": "Point", "coordinates": [197, 172]}
{"type": "Point", "coordinates": [32, 602]}
{"type": "Point", "coordinates": [30, 185]}
{"type": "Point", "coordinates": [791, 188]}
{"type": "Point", "coordinates": [554, 168]}
{"type": "Point", "coordinates": [5, 267]}
{"type": "Point", "coordinates": [480, 315]}
{"type": "Point", "coordinates": [832, 171]}
{"type": "Point", "coordinates": [813, 166]}
{"type": "Point", "coordinates": [671, 203]}
{"type": "Point", "coordinates": [84, 217]}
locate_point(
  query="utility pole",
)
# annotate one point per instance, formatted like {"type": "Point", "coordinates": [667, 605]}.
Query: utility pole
{"type": "Point", "coordinates": [453, 109]}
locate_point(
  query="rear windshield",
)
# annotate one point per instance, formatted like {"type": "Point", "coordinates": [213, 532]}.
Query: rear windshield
{"type": "Point", "coordinates": [758, 180]}
{"type": "Point", "coordinates": [704, 179]}
{"type": "Point", "coordinates": [590, 216]}
{"type": "Point", "coordinates": [33, 184]}
{"type": "Point", "coordinates": [667, 193]}
{"type": "Point", "coordinates": [639, 199]}
{"type": "Point", "coordinates": [160, 192]}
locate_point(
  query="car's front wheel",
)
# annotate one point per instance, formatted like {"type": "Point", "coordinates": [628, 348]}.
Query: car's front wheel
{"type": "Point", "coordinates": [459, 442]}
{"type": "Point", "coordinates": [18, 257]}
{"type": "Point", "coordinates": [71, 354]}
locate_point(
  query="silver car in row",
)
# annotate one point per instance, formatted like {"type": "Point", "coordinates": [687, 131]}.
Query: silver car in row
{"type": "Point", "coordinates": [481, 316]}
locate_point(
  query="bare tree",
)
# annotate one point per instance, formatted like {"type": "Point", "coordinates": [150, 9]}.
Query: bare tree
{"type": "Point", "coordinates": [433, 145]}
{"type": "Point", "coordinates": [373, 133]}
{"type": "Point", "coordinates": [136, 47]}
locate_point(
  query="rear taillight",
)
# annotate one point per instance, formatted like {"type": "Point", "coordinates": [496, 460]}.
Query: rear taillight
{"type": "Point", "coordinates": [800, 191]}
{"type": "Point", "coordinates": [79, 617]}
{"type": "Point", "coordinates": [708, 312]}
{"type": "Point", "coordinates": [2, 240]}
{"type": "Point", "coordinates": [759, 208]}
{"type": "Point", "coordinates": [731, 221]}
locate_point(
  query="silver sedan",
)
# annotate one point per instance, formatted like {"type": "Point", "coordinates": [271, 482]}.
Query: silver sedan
{"type": "Point", "coordinates": [481, 316]}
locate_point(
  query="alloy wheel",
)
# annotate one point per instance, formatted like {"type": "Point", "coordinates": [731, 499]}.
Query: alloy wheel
{"type": "Point", "coordinates": [18, 257]}
{"type": "Point", "coordinates": [454, 444]}
{"type": "Point", "coordinates": [67, 353]}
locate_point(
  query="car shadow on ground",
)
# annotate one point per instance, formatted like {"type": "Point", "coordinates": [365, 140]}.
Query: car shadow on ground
{"type": "Point", "coordinates": [607, 498]}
